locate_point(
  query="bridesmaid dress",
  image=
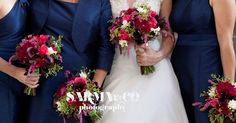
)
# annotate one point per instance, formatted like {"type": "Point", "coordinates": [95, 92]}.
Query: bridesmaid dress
{"type": "Point", "coordinates": [196, 55]}
{"type": "Point", "coordinates": [59, 22]}
{"type": "Point", "coordinates": [12, 28]}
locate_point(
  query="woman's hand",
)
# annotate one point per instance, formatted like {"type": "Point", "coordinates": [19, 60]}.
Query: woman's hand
{"type": "Point", "coordinates": [19, 74]}
{"type": "Point", "coordinates": [146, 56]}
{"type": "Point", "coordinates": [99, 76]}
{"type": "Point", "coordinates": [30, 80]}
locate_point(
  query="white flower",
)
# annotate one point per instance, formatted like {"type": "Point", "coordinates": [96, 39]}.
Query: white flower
{"type": "Point", "coordinates": [58, 106]}
{"type": "Point", "coordinates": [125, 23]}
{"type": "Point", "coordinates": [232, 104]}
{"type": "Point", "coordinates": [234, 83]}
{"type": "Point", "coordinates": [212, 92]}
{"type": "Point", "coordinates": [51, 51]}
{"type": "Point", "coordinates": [83, 75]}
{"type": "Point", "coordinates": [156, 30]}
{"type": "Point", "coordinates": [142, 10]}
{"type": "Point", "coordinates": [69, 96]}
{"type": "Point", "coordinates": [123, 43]}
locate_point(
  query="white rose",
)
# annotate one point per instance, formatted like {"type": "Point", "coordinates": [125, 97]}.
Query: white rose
{"type": "Point", "coordinates": [51, 51]}
{"type": "Point", "coordinates": [156, 30]}
{"type": "Point", "coordinates": [124, 24]}
{"type": "Point", "coordinates": [141, 10]}
{"type": "Point", "coordinates": [212, 92]}
{"type": "Point", "coordinates": [232, 104]}
{"type": "Point", "coordinates": [69, 96]}
{"type": "Point", "coordinates": [58, 106]}
{"type": "Point", "coordinates": [123, 43]}
{"type": "Point", "coordinates": [83, 75]}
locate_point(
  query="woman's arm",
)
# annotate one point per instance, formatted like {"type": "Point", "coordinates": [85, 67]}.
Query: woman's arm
{"type": "Point", "coordinates": [106, 49]}
{"type": "Point", "coordinates": [168, 41]}
{"type": "Point", "coordinates": [147, 56]}
{"type": "Point", "coordinates": [225, 14]}
{"type": "Point", "coordinates": [19, 74]}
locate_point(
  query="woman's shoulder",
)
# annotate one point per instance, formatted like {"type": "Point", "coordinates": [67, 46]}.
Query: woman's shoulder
{"type": "Point", "coordinates": [6, 6]}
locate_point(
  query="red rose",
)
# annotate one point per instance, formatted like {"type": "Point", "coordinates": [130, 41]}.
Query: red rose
{"type": "Point", "coordinates": [153, 13]}
{"type": "Point", "coordinates": [130, 11]}
{"type": "Point", "coordinates": [23, 51]}
{"type": "Point", "coordinates": [224, 109]}
{"type": "Point", "coordinates": [124, 35]}
{"type": "Point", "coordinates": [142, 26]}
{"type": "Point", "coordinates": [54, 48]}
{"type": "Point", "coordinates": [61, 91]}
{"type": "Point", "coordinates": [225, 88]}
{"type": "Point", "coordinates": [43, 50]}
{"type": "Point", "coordinates": [152, 22]}
{"type": "Point", "coordinates": [127, 18]}
{"type": "Point", "coordinates": [42, 39]}
{"type": "Point", "coordinates": [80, 80]}
{"type": "Point", "coordinates": [39, 63]}
{"type": "Point", "coordinates": [145, 25]}
{"type": "Point", "coordinates": [75, 103]}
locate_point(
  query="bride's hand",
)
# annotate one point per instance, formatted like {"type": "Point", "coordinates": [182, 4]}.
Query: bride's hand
{"type": "Point", "coordinates": [146, 56]}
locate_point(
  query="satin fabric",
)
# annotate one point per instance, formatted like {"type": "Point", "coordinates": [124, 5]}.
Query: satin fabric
{"type": "Point", "coordinates": [85, 44]}
{"type": "Point", "coordinates": [12, 27]}
{"type": "Point", "coordinates": [196, 55]}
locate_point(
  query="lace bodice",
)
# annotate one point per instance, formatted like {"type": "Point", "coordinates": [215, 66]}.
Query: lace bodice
{"type": "Point", "coordinates": [119, 5]}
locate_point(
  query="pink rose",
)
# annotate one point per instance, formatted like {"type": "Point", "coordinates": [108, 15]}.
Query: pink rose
{"type": "Point", "coordinates": [42, 39]}
{"type": "Point", "coordinates": [124, 35]}
{"type": "Point", "coordinates": [43, 50]}
{"type": "Point", "coordinates": [153, 13]}
{"type": "Point", "coordinates": [61, 91]}
{"type": "Point", "coordinates": [127, 18]}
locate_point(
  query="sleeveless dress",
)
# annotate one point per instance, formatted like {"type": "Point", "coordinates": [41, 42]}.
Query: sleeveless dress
{"type": "Point", "coordinates": [154, 98]}
{"type": "Point", "coordinates": [196, 55]}
{"type": "Point", "coordinates": [12, 27]}
{"type": "Point", "coordinates": [59, 22]}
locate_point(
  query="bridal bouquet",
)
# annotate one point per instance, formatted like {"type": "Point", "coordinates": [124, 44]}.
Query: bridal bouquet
{"type": "Point", "coordinates": [139, 25]}
{"type": "Point", "coordinates": [220, 100]}
{"type": "Point", "coordinates": [40, 54]}
{"type": "Point", "coordinates": [78, 97]}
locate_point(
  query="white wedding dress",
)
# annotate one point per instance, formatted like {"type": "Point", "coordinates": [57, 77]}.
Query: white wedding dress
{"type": "Point", "coordinates": [157, 97]}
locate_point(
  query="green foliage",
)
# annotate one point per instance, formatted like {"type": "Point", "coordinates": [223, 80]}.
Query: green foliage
{"type": "Point", "coordinates": [53, 69]}
{"type": "Point", "coordinates": [95, 115]}
{"type": "Point", "coordinates": [66, 109]}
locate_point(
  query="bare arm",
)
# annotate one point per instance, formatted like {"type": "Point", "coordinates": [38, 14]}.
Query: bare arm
{"type": "Point", "coordinates": [19, 74]}
{"type": "Point", "coordinates": [225, 14]}
{"type": "Point", "coordinates": [5, 67]}
{"type": "Point", "coordinates": [168, 43]}
{"type": "Point", "coordinates": [100, 76]}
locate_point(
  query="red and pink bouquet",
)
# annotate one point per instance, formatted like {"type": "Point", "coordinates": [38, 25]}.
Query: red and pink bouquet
{"type": "Point", "coordinates": [40, 54]}
{"type": "Point", "coordinates": [220, 100]}
{"type": "Point", "coordinates": [77, 97]}
{"type": "Point", "coordinates": [137, 25]}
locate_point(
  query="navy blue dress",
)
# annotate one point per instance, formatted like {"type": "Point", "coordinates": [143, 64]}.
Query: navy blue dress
{"type": "Point", "coordinates": [12, 28]}
{"type": "Point", "coordinates": [60, 21]}
{"type": "Point", "coordinates": [196, 55]}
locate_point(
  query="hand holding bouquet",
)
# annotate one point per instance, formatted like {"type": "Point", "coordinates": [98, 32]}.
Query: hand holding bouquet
{"type": "Point", "coordinates": [40, 54]}
{"type": "Point", "coordinates": [220, 100]}
{"type": "Point", "coordinates": [78, 97]}
{"type": "Point", "coordinates": [137, 25]}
